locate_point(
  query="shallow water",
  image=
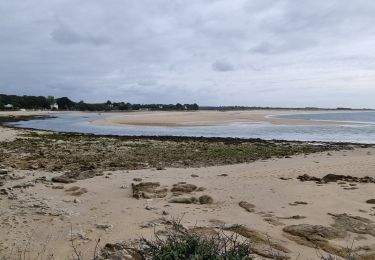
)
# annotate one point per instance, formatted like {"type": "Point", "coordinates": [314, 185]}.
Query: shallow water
{"type": "Point", "coordinates": [345, 132]}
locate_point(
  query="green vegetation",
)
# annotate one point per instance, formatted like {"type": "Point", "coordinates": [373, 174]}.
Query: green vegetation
{"type": "Point", "coordinates": [27, 102]}
{"type": "Point", "coordinates": [181, 244]}
{"type": "Point", "coordinates": [57, 151]}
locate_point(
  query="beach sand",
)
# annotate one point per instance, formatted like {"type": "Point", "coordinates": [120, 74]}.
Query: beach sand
{"type": "Point", "coordinates": [43, 215]}
{"type": "Point", "coordinates": [207, 118]}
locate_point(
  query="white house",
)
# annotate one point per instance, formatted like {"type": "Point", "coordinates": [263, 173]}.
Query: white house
{"type": "Point", "coordinates": [54, 106]}
{"type": "Point", "coordinates": [8, 106]}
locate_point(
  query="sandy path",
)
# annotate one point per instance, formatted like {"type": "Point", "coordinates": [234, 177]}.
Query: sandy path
{"type": "Point", "coordinates": [109, 201]}
{"type": "Point", "coordinates": [207, 118]}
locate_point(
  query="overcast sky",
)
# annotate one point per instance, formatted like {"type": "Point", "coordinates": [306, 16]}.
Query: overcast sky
{"type": "Point", "coordinates": [213, 52]}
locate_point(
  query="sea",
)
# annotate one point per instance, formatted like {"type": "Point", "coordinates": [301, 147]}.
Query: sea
{"type": "Point", "coordinates": [353, 127]}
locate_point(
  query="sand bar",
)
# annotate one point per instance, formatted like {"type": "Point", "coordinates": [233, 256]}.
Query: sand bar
{"type": "Point", "coordinates": [207, 118]}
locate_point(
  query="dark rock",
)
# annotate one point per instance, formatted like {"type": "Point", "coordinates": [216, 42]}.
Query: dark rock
{"type": "Point", "coordinates": [247, 206]}
{"type": "Point", "coordinates": [336, 178]}
{"type": "Point", "coordinates": [62, 179]}
{"type": "Point", "coordinates": [182, 187]}
{"type": "Point", "coordinates": [205, 199]}
{"type": "Point", "coordinates": [190, 200]}
{"type": "Point", "coordinates": [148, 190]}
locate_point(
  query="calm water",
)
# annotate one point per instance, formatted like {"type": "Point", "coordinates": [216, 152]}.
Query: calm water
{"type": "Point", "coordinates": [345, 132]}
{"type": "Point", "coordinates": [367, 117]}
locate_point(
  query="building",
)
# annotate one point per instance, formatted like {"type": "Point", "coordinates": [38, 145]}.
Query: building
{"type": "Point", "coordinates": [8, 106]}
{"type": "Point", "coordinates": [54, 106]}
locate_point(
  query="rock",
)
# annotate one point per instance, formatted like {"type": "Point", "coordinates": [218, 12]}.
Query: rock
{"type": "Point", "coordinates": [118, 251]}
{"type": "Point", "coordinates": [58, 187]}
{"type": "Point", "coordinates": [77, 201]}
{"type": "Point", "coordinates": [332, 178]}
{"type": "Point", "coordinates": [190, 200]}
{"type": "Point", "coordinates": [294, 217]}
{"type": "Point", "coordinates": [194, 176]}
{"type": "Point", "coordinates": [261, 244]}
{"type": "Point", "coordinates": [148, 190]}
{"type": "Point", "coordinates": [105, 227]}
{"type": "Point", "coordinates": [3, 172]}
{"type": "Point", "coordinates": [4, 192]}
{"type": "Point", "coordinates": [273, 221]}
{"type": "Point", "coordinates": [336, 178]}
{"type": "Point", "coordinates": [247, 206]}
{"type": "Point", "coordinates": [316, 236]}
{"type": "Point", "coordinates": [77, 234]}
{"type": "Point", "coordinates": [73, 188]}
{"type": "Point", "coordinates": [24, 185]}
{"type": "Point", "coordinates": [76, 191]}
{"type": "Point", "coordinates": [62, 179]}
{"type": "Point", "coordinates": [205, 199]}
{"type": "Point", "coordinates": [223, 175]}
{"type": "Point", "coordinates": [354, 224]}
{"type": "Point", "coordinates": [314, 232]}
{"type": "Point", "coordinates": [79, 192]}
{"type": "Point", "coordinates": [137, 179]}
{"type": "Point", "coordinates": [298, 203]}
{"type": "Point", "coordinates": [183, 187]}
{"type": "Point", "coordinates": [370, 201]}
{"type": "Point", "coordinates": [307, 177]}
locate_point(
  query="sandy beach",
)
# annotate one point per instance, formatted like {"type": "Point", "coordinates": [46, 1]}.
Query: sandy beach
{"type": "Point", "coordinates": [207, 118]}
{"type": "Point", "coordinates": [44, 216]}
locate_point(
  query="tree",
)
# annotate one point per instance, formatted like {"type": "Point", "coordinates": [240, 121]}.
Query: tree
{"type": "Point", "coordinates": [51, 100]}
{"type": "Point", "coordinates": [65, 103]}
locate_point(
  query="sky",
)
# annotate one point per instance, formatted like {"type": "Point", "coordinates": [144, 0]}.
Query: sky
{"type": "Point", "coordinates": [289, 53]}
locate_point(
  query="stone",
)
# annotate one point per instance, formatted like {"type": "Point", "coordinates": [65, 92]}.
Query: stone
{"type": "Point", "coordinates": [105, 227]}
{"type": "Point", "coordinates": [190, 200]}
{"type": "Point", "coordinates": [247, 206]}
{"type": "Point", "coordinates": [183, 187]}
{"type": "Point", "coordinates": [205, 199]}
{"type": "Point", "coordinates": [62, 179]}
{"type": "Point", "coordinates": [148, 190]}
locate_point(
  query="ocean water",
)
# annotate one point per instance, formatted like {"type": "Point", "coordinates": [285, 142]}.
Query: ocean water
{"type": "Point", "coordinates": [365, 117]}
{"type": "Point", "coordinates": [346, 131]}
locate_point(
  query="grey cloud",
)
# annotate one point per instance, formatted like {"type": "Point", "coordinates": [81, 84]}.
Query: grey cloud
{"type": "Point", "coordinates": [64, 35]}
{"type": "Point", "coordinates": [209, 52]}
{"type": "Point", "coordinates": [222, 65]}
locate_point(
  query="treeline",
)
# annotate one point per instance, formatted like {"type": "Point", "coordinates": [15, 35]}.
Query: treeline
{"type": "Point", "coordinates": [64, 103]}
{"type": "Point", "coordinates": [27, 102]}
